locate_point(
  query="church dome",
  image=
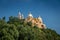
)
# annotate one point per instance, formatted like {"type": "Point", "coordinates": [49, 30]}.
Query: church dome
{"type": "Point", "coordinates": [40, 18]}
{"type": "Point", "coordinates": [30, 15]}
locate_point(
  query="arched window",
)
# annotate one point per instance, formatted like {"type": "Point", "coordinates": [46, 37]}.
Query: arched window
{"type": "Point", "coordinates": [42, 26]}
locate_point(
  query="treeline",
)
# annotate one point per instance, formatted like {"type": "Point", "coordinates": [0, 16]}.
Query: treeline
{"type": "Point", "coordinates": [16, 29]}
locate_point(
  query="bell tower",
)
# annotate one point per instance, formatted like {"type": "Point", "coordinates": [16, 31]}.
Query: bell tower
{"type": "Point", "coordinates": [20, 16]}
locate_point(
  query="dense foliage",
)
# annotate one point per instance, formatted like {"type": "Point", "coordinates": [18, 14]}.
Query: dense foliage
{"type": "Point", "coordinates": [16, 29]}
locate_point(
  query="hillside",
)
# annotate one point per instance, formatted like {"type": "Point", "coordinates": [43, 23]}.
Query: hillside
{"type": "Point", "coordinates": [16, 29]}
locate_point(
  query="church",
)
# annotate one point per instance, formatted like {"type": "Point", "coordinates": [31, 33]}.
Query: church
{"type": "Point", "coordinates": [35, 21]}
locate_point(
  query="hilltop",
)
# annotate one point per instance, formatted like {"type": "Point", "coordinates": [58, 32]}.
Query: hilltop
{"type": "Point", "coordinates": [18, 29]}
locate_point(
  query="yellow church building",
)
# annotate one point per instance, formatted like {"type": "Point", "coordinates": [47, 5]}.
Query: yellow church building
{"type": "Point", "coordinates": [35, 21]}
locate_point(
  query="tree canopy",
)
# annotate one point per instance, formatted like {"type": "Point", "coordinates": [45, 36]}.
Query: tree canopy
{"type": "Point", "coordinates": [16, 29]}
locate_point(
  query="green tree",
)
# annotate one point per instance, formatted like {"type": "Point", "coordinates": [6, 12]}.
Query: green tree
{"type": "Point", "coordinates": [3, 18]}
{"type": "Point", "coordinates": [16, 29]}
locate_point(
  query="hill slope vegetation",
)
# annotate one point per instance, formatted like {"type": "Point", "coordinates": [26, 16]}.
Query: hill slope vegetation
{"type": "Point", "coordinates": [16, 29]}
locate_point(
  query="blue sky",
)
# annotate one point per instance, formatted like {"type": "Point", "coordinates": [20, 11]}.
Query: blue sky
{"type": "Point", "coordinates": [49, 10]}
